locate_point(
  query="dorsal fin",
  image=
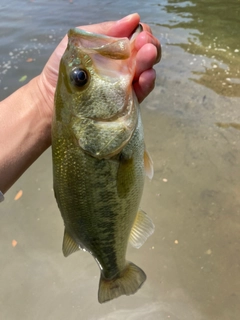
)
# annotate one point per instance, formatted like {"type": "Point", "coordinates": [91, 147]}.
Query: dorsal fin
{"type": "Point", "coordinates": [142, 228]}
{"type": "Point", "coordinates": [69, 245]}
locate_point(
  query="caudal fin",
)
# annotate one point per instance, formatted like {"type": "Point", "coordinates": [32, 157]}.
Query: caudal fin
{"type": "Point", "coordinates": [128, 282]}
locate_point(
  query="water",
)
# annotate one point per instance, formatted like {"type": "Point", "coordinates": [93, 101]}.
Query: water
{"type": "Point", "coordinates": [191, 124]}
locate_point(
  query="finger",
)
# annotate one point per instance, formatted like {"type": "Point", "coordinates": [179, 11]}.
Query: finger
{"type": "Point", "coordinates": [145, 59]}
{"type": "Point", "coordinates": [146, 37]}
{"type": "Point", "coordinates": [145, 84]}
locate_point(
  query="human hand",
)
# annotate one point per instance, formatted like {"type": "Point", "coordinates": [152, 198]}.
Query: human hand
{"type": "Point", "coordinates": [149, 53]}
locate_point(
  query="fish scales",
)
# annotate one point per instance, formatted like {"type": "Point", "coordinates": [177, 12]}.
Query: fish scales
{"type": "Point", "coordinates": [98, 166]}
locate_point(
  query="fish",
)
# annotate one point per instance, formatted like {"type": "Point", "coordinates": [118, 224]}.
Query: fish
{"type": "Point", "coordinates": [99, 157]}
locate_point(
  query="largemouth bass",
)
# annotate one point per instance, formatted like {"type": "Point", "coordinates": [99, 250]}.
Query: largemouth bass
{"type": "Point", "coordinates": [99, 156]}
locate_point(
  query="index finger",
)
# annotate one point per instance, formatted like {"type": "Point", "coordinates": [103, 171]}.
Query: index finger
{"type": "Point", "coordinates": [146, 37]}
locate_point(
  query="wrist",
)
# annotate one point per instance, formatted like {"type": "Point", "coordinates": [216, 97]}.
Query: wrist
{"type": "Point", "coordinates": [40, 112]}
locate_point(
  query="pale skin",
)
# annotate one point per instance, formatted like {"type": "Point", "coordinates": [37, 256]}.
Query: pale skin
{"type": "Point", "coordinates": [26, 115]}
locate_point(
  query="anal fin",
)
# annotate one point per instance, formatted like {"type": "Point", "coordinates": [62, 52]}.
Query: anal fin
{"type": "Point", "coordinates": [142, 228]}
{"type": "Point", "coordinates": [69, 245]}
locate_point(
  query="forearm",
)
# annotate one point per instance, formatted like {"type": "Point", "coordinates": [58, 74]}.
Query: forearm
{"type": "Point", "coordinates": [25, 132]}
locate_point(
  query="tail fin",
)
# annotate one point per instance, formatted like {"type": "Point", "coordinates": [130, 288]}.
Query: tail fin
{"type": "Point", "coordinates": [128, 282]}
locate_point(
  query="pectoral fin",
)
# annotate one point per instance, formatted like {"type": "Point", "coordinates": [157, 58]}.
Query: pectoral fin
{"type": "Point", "coordinates": [69, 245]}
{"type": "Point", "coordinates": [148, 165]}
{"type": "Point", "coordinates": [142, 228]}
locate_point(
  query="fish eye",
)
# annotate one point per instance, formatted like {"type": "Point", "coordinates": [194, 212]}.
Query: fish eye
{"type": "Point", "coordinates": [79, 77]}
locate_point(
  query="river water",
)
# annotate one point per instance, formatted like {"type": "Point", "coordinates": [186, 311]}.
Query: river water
{"type": "Point", "coordinates": [191, 122]}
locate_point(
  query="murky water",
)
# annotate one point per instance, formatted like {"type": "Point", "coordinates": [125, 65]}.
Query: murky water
{"type": "Point", "coordinates": [191, 122]}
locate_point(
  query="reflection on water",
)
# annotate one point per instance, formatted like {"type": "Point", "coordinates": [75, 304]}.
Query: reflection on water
{"type": "Point", "coordinates": [217, 25]}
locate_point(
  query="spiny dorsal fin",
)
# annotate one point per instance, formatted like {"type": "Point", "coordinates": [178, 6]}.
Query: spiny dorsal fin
{"type": "Point", "coordinates": [142, 228]}
{"type": "Point", "coordinates": [148, 165]}
{"type": "Point", "coordinates": [69, 245]}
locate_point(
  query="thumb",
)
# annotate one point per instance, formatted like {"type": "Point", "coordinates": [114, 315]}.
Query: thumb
{"type": "Point", "coordinates": [119, 28]}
